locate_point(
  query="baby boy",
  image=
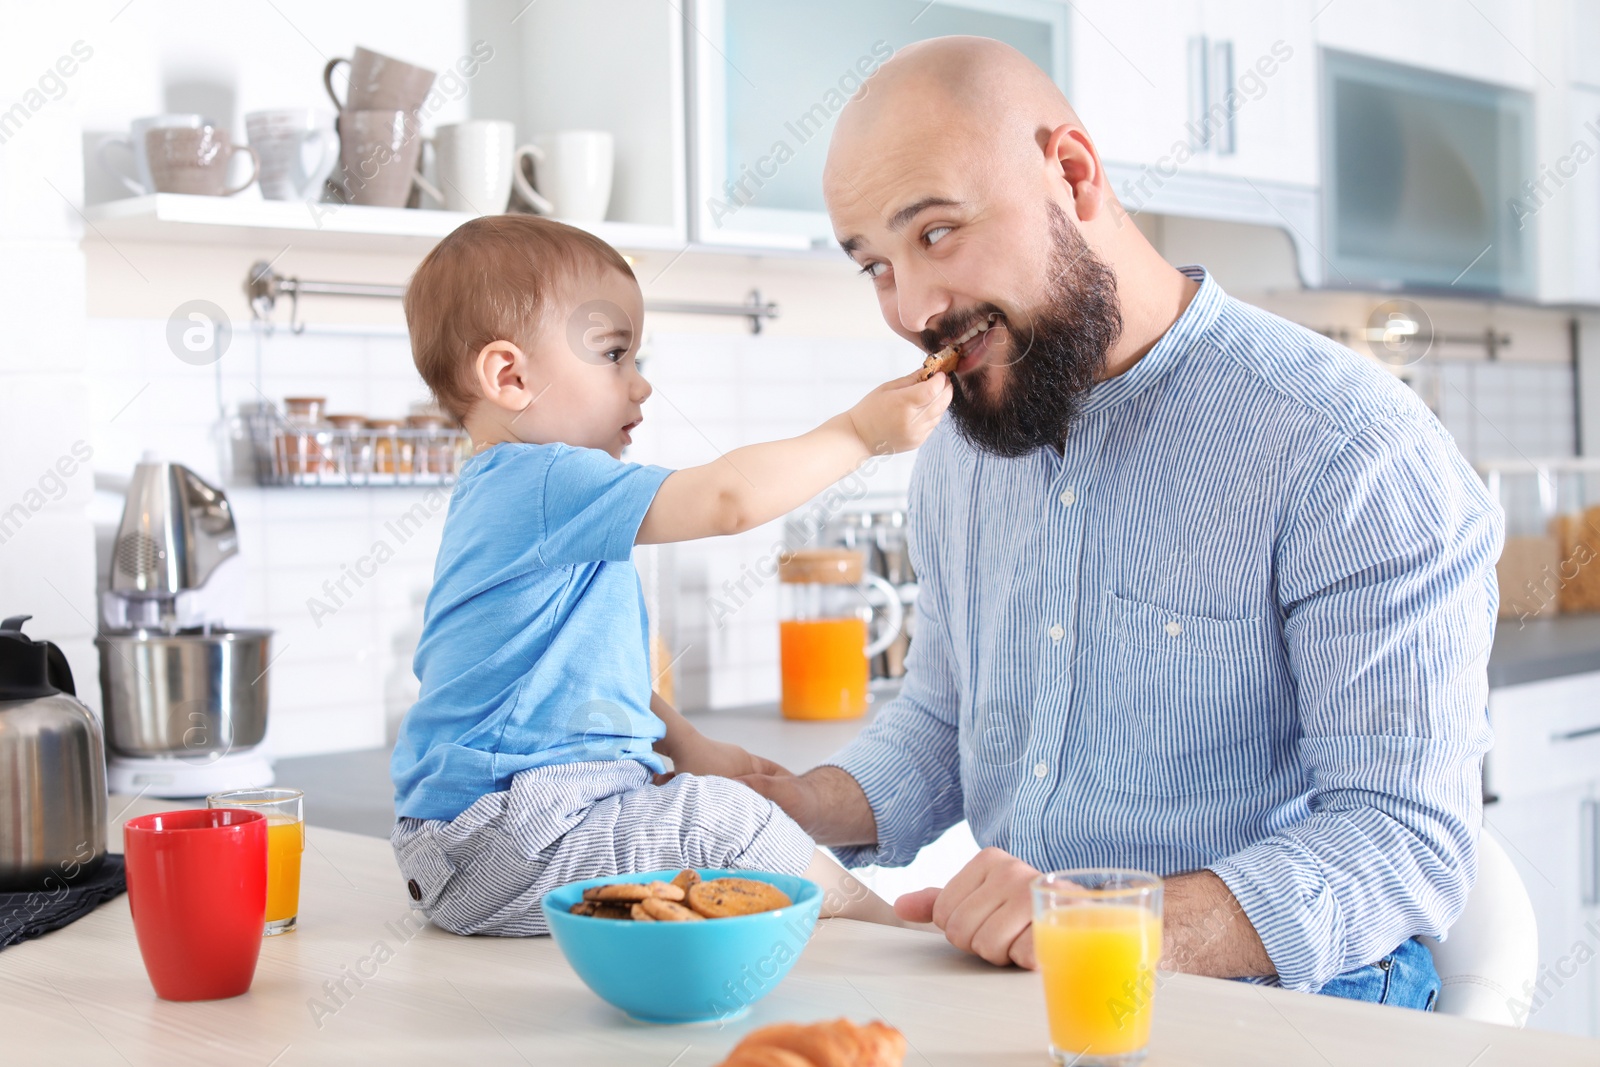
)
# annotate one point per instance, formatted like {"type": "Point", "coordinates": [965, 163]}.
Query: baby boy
{"type": "Point", "coordinates": [533, 756]}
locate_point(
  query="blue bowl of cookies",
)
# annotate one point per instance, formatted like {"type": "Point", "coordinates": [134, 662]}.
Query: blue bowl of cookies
{"type": "Point", "coordinates": [687, 946]}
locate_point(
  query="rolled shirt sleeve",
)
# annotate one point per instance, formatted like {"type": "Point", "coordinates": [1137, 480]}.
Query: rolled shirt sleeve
{"type": "Point", "coordinates": [1387, 589]}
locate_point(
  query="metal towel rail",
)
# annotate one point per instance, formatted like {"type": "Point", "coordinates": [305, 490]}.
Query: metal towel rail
{"type": "Point", "coordinates": [264, 286]}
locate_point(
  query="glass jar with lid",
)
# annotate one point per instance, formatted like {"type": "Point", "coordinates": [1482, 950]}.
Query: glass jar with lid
{"type": "Point", "coordinates": [304, 441]}
{"type": "Point", "coordinates": [352, 446]}
{"type": "Point", "coordinates": [391, 449]}
{"type": "Point", "coordinates": [1551, 560]}
{"type": "Point", "coordinates": [431, 448]}
{"type": "Point", "coordinates": [827, 600]}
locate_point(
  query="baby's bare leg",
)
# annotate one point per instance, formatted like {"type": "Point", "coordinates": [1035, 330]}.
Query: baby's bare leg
{"type": "Point", "coordinates": [846, 896]}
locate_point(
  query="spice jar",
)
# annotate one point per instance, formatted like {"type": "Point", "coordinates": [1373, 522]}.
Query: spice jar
{"type": "Point", "coordinates": [431, 447]}
{"type": "Point", "coordinates": [391, 450]}
{"type": "Point", "coordinates": [305, 437]}
{"type": "Point", "coordinates": [352, 447]}
{"type": "Point", "coordinates": [827, 598]}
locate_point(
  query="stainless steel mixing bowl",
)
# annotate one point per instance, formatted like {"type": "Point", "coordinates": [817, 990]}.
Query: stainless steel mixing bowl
{"type": "Point", "coordinates": [191, 695]}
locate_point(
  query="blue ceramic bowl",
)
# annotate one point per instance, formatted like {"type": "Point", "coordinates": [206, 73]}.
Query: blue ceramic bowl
{"type": "Point", "coordinates": [684, 972]}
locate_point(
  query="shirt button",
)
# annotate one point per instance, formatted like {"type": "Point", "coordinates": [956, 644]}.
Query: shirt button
{"type": "Point", "coordinates": [1057, 633]}
{"type": "Point", "coordinates": [1068, 497]}
{"type": "Point", "coordinates": [1174, 629]}
{"type": "Point", "coordinates": [1040, 770]}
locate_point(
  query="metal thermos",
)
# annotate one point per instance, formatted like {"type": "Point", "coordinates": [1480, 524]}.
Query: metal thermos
{"type": "Point", "coordinates": [52, 768]}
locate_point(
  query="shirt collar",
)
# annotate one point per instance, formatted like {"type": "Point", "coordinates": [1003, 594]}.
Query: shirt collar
{"type": "Point", "coordinates": [1180, 338]}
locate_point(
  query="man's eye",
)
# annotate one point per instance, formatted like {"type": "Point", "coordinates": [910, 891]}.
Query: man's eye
{"type": "Point", "coordinates": [934, 235]}
{"type": "Point", "coordinates": [873, 270]}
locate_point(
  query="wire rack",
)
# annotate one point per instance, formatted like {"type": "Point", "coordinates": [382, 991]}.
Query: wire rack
{"type": "Point", "coordinates": [287, 453]}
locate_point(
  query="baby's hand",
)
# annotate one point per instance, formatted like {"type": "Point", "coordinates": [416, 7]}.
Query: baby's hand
{"type": "Point", "coordinates": [898, 415]}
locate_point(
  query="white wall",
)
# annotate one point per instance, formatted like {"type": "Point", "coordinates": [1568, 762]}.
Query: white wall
{"type": "Point", "coordinates": [46, 543]}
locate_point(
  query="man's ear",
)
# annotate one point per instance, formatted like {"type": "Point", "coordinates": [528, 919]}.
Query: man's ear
{"type": "Point", "coordinates": [500, 371]}
{"type": "Point", "coordinates": [1070, 154]}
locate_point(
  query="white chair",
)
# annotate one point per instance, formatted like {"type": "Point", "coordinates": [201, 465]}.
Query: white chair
{"type": "Point", "coordinates": [1492, 951]}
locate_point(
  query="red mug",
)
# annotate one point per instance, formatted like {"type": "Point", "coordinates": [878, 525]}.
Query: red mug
{"type": "Point", "coordinates": [197, 887]}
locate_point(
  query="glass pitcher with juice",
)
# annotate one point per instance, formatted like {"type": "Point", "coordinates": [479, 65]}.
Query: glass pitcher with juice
{"type": "Point", "coordinates": [823, 639]}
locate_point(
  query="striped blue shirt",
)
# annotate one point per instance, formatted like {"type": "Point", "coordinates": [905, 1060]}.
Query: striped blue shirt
{"type": "Point", "coordinates": [1241, 623]}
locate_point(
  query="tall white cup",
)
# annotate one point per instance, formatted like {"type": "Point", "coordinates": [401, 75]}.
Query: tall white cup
{"type": "Point", "coordinates": [473, 162]}
{"type": "Point", "coordinates": [139, 180]}
{"type": "Point", "coordinates": [572, 174]}
{"type": "Point", "coordinates": [282, 138]}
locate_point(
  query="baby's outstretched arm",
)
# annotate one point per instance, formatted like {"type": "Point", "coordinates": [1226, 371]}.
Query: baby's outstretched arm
{"type": "Point", "coordinates": [758, 483]}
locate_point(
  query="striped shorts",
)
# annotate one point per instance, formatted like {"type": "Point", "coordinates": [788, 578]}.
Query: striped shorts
{"type": "Point", "coordinates": [484, 871]}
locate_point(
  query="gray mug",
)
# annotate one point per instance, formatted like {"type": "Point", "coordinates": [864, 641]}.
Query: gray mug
{"type": "Point", "coordinates": [378, 155]}
{"type": "Point", "coordinates": [379, 83]}
{"type": "Point", "coordinates": [196, 160]}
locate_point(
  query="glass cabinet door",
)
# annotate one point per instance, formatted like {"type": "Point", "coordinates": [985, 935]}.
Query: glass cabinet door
{"type": "Point", "coordinates": [1422, 174]}
{"type": "Point", "coordinates": [771, 76]}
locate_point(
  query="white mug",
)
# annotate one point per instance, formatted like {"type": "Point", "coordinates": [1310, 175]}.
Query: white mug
{"type": "Point", "coordinates": [572, 172]}
{"type": "Point", "coordinates": [281, 138]}
{"type": "Point", "coordinates": [473, 163]}
{"type": "Point", "coordinates": [140, 182]}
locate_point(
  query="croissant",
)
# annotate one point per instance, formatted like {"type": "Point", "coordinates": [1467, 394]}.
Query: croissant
{"type": "Point", "coordinates": [839, 1043]}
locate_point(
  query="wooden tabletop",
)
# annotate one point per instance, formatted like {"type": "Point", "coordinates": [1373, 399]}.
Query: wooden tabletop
{"type": "Point", "coordinates": [80, 996]}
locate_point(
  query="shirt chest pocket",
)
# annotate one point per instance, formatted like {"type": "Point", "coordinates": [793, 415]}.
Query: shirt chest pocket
{"type": "Point", "coordinates": [1184, 707]}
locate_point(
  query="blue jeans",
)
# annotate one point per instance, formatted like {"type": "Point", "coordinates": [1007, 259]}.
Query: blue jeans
{"type": "Point", "coordinates": [1405, 978]}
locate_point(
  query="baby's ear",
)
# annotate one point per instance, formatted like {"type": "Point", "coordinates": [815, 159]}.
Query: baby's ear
{"type": "Point", "coordinates": [499, 375]}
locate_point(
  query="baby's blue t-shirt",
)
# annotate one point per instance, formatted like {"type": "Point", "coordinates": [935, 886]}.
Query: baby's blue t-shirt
{"type": "Point", "coordinates": [534, 647]}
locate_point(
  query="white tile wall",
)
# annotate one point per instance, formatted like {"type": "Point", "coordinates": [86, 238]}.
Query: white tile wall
{"type": "Point", "coordinates": [1506, 410]}
{"type": "Point", "coordinates": [336, 677]}
{"type": "Point", "coordinates": [46, 542]}
{"type": "Point", "coordinates": [341, 680]}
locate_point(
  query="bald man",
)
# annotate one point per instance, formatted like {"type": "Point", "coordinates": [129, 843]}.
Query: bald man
{"type": "Point", "coordinates": [1202, 592]}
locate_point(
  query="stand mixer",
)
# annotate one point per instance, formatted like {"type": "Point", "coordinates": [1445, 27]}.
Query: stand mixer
{"type": "Point", "coordinates": [185, 697]}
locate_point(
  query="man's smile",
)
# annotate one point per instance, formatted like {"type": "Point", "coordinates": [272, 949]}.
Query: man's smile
{"type": "Point", "coordinates": [974, 342]}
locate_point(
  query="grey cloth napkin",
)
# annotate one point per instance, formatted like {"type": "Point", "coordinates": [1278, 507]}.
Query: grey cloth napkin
{"type": "Point", "coordinates": [28, 914]}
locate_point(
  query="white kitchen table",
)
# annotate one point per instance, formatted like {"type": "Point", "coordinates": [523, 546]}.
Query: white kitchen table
{"type": "Point", "coordinates": [357, 985]}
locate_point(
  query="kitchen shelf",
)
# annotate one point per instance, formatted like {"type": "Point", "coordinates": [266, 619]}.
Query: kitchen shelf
{"type": "Point", "coordinates": [186, 219]}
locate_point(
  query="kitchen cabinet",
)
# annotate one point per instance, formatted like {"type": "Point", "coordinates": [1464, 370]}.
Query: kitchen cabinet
{"type": "Point", "coordinates": [615, 65]}
{"type": "Point", "coordinates": [1261, 52]}
{"type": "Point", "coordinates": [1420, 170]}
{"type": "Point", "coordinates": [768, 81]}
{"type": "Point", "coordinates": [1562, 207]}
{"type": "Point", "coordinates": [1495, 41]}
{"type": "Point", "coordinates": [1183, 88]}
{"type": "Point", "coordinates": [1543, 776]}
{"type": "Point", "coordinates": [1205, 109]}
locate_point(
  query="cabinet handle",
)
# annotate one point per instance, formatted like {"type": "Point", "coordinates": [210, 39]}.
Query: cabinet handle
{"type": "Point", "coordinates": [1210, 82]}
{"type": "Point", "coordinates": [1589, 852]}
{"type": "Point", "coordinates": [1576, 735]}
{"type": "Point", "coordinates": [1199, 90]}
{"type": "Point", "coordinates": [1221, 85]}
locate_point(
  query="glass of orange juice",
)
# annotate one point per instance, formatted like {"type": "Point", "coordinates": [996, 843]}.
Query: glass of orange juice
{"type": "Point", "coordinates": [1097, 936]}
{"type": "Point", "coordinates": [286, 840]}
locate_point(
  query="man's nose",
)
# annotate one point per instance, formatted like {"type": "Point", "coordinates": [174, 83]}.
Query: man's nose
{"type": "Point", "coordinates": [920, 296]}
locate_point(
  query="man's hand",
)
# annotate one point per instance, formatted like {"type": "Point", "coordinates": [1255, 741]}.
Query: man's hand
{"type": "Point", "coordinates": [692, 752]}
{"type": "Point", "coordinates": [699, 754]}
{"type": "Point", "coordinates": [826, 801]}
{"type": "Point", "coordinates": [986, 909]}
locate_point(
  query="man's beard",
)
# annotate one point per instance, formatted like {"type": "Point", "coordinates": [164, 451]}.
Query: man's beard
{"type": "Point", "coordinates": [1053, 359]}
